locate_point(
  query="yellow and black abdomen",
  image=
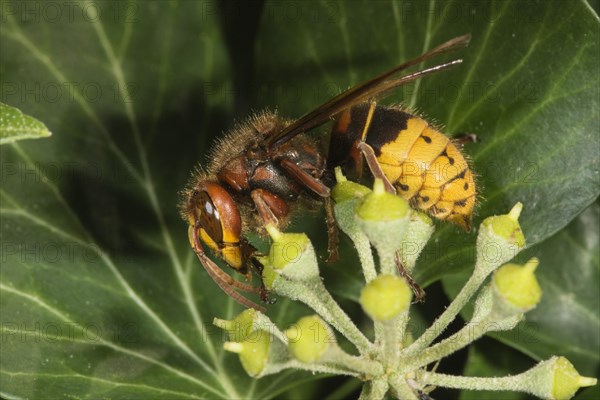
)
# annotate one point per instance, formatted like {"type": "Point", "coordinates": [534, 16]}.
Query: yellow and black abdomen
{"type": "Point", "coordinates": [423, 164]}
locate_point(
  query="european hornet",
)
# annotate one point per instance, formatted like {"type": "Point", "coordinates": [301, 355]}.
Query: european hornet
{"type": "Point", "coordinates": [264, 168]}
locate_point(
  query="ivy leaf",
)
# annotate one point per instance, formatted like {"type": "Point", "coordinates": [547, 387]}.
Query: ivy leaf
{"type": "Point", "coordinates": [101, 295]}
{"type": "Point", "coordinates": [14, 125]}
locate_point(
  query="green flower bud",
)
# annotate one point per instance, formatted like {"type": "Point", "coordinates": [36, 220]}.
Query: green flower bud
{"type": "Point", "coordinates": [507, 226]}
{"type": "Point", "coordinates": [555, 379]}
{"type": "Point", "coordinates": [380, 205]}
{"type": "Point", "coordinates": [253, 351]}
{"type": "Point", "coordinates": [261, 345]}
{"type": "Point", "coordinates": [383, 217]}
{"type": "Point", "coordinates": [346, 219]}
{"type": "Point", "coordinates": [385, 297]}
{"type": "Point", "coordinates": [500, 239]}
{"type": "Point", "coordinates": [268, 276]}
{"type": "Point", "coordinates": [291, 255]}
{"type": "Point", "coordinates": [309, 339]}
{"type": "Point", "coordinates": [247, 323]}
{"type": "Point", "coordinates": [489, 316]}
{"type": "Point", "coordinates": [345, 190]}
{"type": "Point", "coordinates": [517, 285]}
{"type": "Point", "coordinates": [286, 247]}
{"type": "Point", "coordinates": [240, 327]}
{"type": "Point", "coordinates": [567, 380]}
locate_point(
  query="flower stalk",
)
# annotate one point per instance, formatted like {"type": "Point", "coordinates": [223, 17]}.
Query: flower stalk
{"type": "Point", "coordinates": [374, 390]}
{"type": "Point", "coordinates": [551, 379]}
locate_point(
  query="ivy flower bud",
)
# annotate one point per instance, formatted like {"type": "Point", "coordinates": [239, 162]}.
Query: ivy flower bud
{"type": "Point", "coordinates": [246, 323]}
{"type": "Point", "coordinates": [291, 255]}
{"type": "Point", "coordinates": [385, 297]}
{"type": "Point", "coordinates": [517, 286]}
{"type": "Point", "coordinates": [383, 217]}
{"type": "Point", "coordinates": [567, 380]}
{"type": "Point", "coordinates": [345, 190]}
{"type": "Point", "coordinates": [500, 239]}
{"type": "Point", "coordinates": [240, 327]}
{"type": "Point", "coordinates": [253, 352]}
{"type": "Point", "coordinates": [507, 226]}
{"type": "Point", "coordinates": [346, 195]}
{"type": "Point", "coordinates": [381, 206]}
{"type": "Point", "coordinates": [492, 315]}
{"type": "Point", "coordinates": [556, 379]}
{"type": "Point", "coordinates": [262, 347]}
{"type": "Point", "coordinates": [309, 339]}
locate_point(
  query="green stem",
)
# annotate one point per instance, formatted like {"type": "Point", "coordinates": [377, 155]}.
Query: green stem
{"type": "Point", "coordinates": [314, 294]}
{"type": "Point", "coordinates": [380, 341]}
{"type": "Point", "coordinates": [384, 330]}
{"type": "Point", "coordinates": [274, 368]}
{"type": "Point", "coordinates": [388, 333]}
{"type": "Point", "coordinates": [442, 322]}
{"type": "Point", "coordinates": [389, 336]}
{"type": "Point", "coordinates": [344, 213]}
{"type": "Point", "coordinates": [401, 323]}
{"type": "Point", "coordinates": [400, 386]}
{"type": "Point", "coordinates": [365, 391]}
{"type": "Point", "coordinates": [515, 383]}
{"type": "Point", "coordinates": [374, 390]}
{"type": "Point", "coordinates": [363, 247]}
{"type": "Point", "coordinates": [387, 263]}
{"type": "Point", "coordinates": [368, 368]}
{"type": "Point", "coordinates": [468, 334]}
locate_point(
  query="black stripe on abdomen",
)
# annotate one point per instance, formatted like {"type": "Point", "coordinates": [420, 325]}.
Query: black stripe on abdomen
{"type": "Point", "coordinates": [385, 126]}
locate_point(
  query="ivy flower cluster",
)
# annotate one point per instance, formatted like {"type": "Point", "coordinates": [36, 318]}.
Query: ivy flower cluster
{"type": "Point", "coordinates": [392, 363]}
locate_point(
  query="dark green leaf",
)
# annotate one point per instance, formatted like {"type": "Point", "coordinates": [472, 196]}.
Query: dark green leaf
{"type": "Point", "coordinates": [101, 295]}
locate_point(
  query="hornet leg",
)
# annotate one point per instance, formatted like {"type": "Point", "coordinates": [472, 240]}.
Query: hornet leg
{"type": "Point", "coordinates": [417, 290]}
{"type": "Point", "coordinates": [374, 166]}
{"type": "Point", "coordinates": [319, 188]}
